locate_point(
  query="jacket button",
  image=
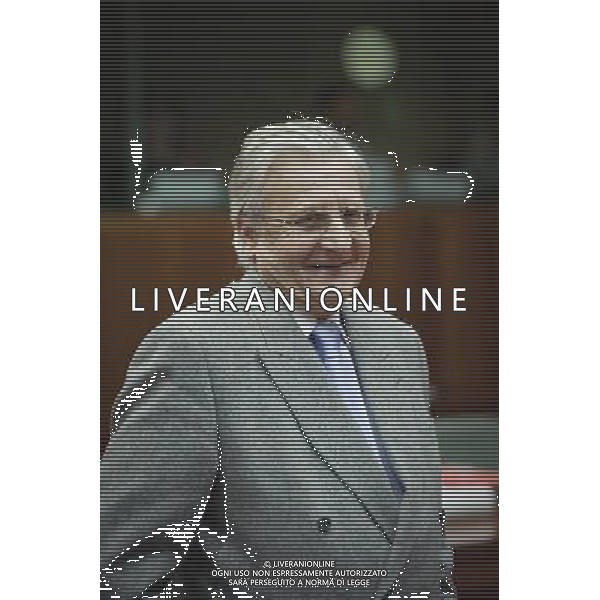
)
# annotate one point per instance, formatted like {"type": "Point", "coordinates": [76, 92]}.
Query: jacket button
{"type": "Point", "coordinates": [324, 525]}
{"type": "Point", "coordinates": [445, 587]}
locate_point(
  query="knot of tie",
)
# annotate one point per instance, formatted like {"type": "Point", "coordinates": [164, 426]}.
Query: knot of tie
{"type": "Point", "coordinates": [326, 338]}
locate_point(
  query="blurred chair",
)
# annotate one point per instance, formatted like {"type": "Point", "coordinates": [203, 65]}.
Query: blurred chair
{"type": "Point", "coordinates": [469, 448]}
{"type": "Point", "coordinates": [181, 189]}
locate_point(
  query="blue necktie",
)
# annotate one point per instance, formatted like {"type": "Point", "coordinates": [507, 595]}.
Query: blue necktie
{"type": "Point", "coordinates": [336, 357]}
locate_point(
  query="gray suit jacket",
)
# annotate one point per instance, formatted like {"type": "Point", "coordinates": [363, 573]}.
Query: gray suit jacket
{"type": "Point", "coordinates": [243, 396]}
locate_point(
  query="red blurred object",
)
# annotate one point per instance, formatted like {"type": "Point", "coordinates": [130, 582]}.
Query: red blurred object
{"type": "Point", "coordinates": [468, 475]}
{"type": "Point", "coordinates": [470, 502]}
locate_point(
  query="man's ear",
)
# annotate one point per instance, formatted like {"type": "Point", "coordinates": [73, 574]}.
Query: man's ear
{"type": "Point", "coordinates": [247, 229]}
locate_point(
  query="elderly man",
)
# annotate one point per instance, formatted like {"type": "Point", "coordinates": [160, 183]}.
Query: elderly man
{"type": "Point", "coordinates": [292, 450]}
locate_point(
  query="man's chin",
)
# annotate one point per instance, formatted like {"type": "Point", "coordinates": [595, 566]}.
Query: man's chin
{"type": "Point", "coordinates": [319, 279]}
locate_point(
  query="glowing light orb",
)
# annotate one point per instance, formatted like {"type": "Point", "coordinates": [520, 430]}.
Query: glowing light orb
{"type": "Point", "coordinates": [369, 57]}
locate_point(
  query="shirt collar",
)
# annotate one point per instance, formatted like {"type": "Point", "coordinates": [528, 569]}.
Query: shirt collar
{"type": "Point", "coordinates": [307, 323]}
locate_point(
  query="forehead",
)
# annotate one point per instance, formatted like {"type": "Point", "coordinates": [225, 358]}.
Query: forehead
{"type": "Point", "coordinates": [302, 181]}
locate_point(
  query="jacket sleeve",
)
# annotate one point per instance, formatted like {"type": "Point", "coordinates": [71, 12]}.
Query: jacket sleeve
{"type": "Point", "coordinates": [428, 573]}
{"type": "Point", "coordinates": [430, 566]}
{"type": "Point", "coordinates": [159, 465]}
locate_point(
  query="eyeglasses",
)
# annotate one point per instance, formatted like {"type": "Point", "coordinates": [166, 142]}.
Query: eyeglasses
{"type": "Point", "coordinates": [354, 219]}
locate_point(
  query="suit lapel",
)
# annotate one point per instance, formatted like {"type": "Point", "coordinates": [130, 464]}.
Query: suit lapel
{"type": "Point", "coordinates": [386, 371]}
{"type": "Point", "coordinates": [387, 379]}
{"type": "Point", "coordinates": [292, 363]}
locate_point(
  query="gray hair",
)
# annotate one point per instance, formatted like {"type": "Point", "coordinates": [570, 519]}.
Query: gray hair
{"type": "Point", "coordinates": [263, 147]}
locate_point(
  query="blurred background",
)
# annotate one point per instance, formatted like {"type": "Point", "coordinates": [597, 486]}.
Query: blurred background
{"type": "Point", "coordinates": [182, 82]}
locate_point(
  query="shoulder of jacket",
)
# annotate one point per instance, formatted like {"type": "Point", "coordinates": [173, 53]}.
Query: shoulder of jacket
{"type": "Point", "coordinates": [391, 321]}
{"type": "Point", "coordinates": [201, 327]}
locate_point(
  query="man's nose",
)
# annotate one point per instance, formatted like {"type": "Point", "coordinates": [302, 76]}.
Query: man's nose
{"type": "Point", "coordinates": [337, 236]}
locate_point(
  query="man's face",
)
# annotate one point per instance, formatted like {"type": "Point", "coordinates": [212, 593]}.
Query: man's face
{"type": "Point", "coordinates": [307, 234]}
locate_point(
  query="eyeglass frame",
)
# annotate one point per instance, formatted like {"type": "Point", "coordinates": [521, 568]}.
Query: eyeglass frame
{"type": "Point", "coordinates": [289, 224]}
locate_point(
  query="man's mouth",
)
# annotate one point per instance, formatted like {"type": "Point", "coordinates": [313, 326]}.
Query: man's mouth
{"type": "Point", "coordinates": [329, 266]}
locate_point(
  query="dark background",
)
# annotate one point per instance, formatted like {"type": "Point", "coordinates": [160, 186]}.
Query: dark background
{"type": "Point", "coordinates": [193, 77]}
